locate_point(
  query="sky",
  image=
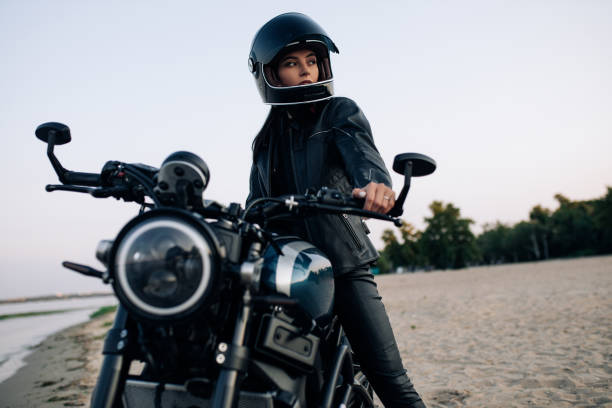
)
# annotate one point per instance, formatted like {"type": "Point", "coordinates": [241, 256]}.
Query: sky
{"type": "Point", "coordinates": [513, 99]}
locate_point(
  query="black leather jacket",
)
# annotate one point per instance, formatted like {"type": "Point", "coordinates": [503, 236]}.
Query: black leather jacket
{"type": "Point", "coordinates": [333, 147]}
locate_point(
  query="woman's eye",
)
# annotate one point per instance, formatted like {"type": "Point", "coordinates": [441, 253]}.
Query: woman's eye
{"type": "Point", "coordinates": [312, 62]}
{"type": "Point", "coordinates": [289, 64]}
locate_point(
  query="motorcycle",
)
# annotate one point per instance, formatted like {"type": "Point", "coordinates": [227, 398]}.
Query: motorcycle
{"type": "Point", "coordinates": [214, 309]}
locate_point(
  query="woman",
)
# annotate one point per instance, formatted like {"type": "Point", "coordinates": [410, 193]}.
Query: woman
{"type": "Point", "coordinates": [312, 139]}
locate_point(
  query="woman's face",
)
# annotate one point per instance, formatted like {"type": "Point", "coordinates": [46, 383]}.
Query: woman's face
{"type": "Point", "coordinates": [298, 68]}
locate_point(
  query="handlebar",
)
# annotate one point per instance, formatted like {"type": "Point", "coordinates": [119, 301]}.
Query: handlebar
{"type": "Point", "coordinates": [325, 200]}
{"type": "Point", "coordinates": [129, 182]}
{"type": "Point", "coordinates": [134, 182]}
{"type": "Point", "coordinates": [81, 179]}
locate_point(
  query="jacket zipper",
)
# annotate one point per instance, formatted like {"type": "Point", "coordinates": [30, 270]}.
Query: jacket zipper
{"type": "Point", "coordinates": [351, 231]}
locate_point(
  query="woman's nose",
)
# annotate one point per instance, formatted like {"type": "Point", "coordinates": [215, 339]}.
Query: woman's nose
{"type": "Point", "coordinates": [304, 70]}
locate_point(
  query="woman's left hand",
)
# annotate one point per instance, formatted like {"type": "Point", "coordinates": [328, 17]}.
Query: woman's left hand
{"type": "Point", "coordinates": [378, 197]}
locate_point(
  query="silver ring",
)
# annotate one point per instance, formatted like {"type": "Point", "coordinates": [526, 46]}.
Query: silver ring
{"type": "Point", "coordinates": [386, 197]}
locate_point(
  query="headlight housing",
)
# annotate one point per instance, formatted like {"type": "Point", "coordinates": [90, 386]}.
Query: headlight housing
{"type": "Point", "coordinates": [164, 264]}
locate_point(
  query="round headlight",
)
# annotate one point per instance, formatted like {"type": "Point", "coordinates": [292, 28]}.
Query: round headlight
{"type": "Point", "coordinates": [163, 267]}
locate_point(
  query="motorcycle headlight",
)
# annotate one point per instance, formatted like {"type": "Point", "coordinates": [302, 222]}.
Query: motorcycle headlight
{"type": "Point", "coordinates": [164, 265]}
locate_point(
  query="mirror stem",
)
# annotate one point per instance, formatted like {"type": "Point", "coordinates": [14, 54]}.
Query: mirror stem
{"type": "Point", "coordinates": [59, 169]}
{"type": "Point", "coordinates": [398, 209]}
{"type": "Point", "coordinates": [67, 176]}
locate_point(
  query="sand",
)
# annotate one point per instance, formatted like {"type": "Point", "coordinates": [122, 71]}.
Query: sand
{"type": "Point", "coordinates": [523, 335]}
{"type": "Point", "coordinates": [61, 371]}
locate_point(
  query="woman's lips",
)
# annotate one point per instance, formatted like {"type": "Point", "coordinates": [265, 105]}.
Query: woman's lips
{"type": "Point", "coordinates": [306, 82]}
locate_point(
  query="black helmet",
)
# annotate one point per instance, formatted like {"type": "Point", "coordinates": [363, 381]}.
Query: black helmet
{"type": "Point", "coordinates": [283, 34]}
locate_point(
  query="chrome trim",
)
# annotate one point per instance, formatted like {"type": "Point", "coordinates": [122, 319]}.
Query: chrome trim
{"type": "Point", "coordinates": [298, 103]}
{"type": "Point", "coordinates": [198, 241]}
{"type": "Point", "coordinates": [103, 251]}
{"type": "Point", "coordinates": [298, 86]}
{"type": "Point", "coordinates": [194, 167]}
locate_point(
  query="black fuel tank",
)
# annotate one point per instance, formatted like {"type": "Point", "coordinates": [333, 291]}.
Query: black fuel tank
{"type": "Point", "coordinates": [304, 273]}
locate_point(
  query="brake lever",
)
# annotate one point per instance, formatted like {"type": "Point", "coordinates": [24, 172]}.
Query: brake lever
{"type": "Point", "coordinates": [63, 187]}
{"type": "Point", "coordinates": [119, 192]}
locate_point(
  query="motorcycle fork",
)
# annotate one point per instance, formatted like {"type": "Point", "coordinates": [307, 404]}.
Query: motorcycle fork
{"type": "Point", "coordinates": [113, 372]}
{"type": "Point", "coordinates": [233, 359]}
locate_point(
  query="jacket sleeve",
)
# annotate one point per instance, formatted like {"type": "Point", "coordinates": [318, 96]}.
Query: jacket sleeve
{"type": "Point", "coordinates": [354, 141]}
{"type": "Point", "coordinates": [255, 190]}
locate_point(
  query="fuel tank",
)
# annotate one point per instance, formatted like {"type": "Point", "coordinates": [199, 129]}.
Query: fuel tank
{"type": "Point", "coordinates": [302, 272]}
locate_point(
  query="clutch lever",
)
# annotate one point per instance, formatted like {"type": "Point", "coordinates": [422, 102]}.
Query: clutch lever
{"type": "Point", "coordinates": [97, 192]}
{"type": "Point", "coordinates": [63, 187]}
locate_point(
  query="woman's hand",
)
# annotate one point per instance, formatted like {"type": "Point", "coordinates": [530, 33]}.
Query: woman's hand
{"type": "Point", "coordinates": [378, 197]}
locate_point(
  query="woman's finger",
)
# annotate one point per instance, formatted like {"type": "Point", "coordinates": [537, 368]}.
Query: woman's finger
{"type": "Point", "coordinates": [380, 201]}
{"type": "Point", "coordinates": [359, 193]}
{"type": "Point", "coordinates": [389, 200]}
{"type": "Point", "coordinates": [378, 197]}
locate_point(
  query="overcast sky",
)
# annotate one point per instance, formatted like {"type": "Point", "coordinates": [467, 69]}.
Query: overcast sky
{"type": "Point", "coordinates": [513, 99]}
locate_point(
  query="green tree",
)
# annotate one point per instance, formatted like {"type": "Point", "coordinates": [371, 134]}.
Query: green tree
{"type": "Point", "coordinates": [406, 253]}
{"type": "Point", "coordinates": [573, 228]}
{"type": "Point", "coordinates": [493, 243]}
{"type": "Point", "coordinates": [447, 241]}
{"type": "Point", "coordinates": [602, 219]}
{"type": "Point", "coordinates": [540, 217]}
{"type": "Point", "coordinates": [384, 263]}
{"type": "Point", "coordinates": [522, 243]}
{"type": "Point", "coordinates": [390, 256]}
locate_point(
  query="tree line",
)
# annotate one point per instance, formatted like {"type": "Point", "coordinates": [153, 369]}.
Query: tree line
{"type": "Point", "coordinates": [575, 228]}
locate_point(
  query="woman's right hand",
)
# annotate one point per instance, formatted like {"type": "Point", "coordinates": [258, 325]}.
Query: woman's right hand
{"type": "Point", "coordinates": [378, 197]}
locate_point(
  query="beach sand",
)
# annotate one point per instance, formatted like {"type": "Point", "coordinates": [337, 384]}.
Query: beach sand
{"type": "Point", "coordinates": [523, 335]}
{"type": "Point", "coordinates": [61, 371]}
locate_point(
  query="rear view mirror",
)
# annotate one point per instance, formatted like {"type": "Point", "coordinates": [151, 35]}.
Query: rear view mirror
{"type": "Point", "coordinates": [53, 133]}
{"type": "Point", "coordinates": [410, 165]}
{"type": "Point", "coordinates": [420, 164]}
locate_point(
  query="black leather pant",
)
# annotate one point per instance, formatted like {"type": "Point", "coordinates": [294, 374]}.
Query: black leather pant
{"type": "Point", "coordinates": [365, 321]}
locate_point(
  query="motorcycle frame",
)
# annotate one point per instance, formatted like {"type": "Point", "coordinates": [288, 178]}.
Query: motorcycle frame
{"type": "Point", "coordinates": [118, 345]}
{"type": "Point", "coordinates": [116, 363]}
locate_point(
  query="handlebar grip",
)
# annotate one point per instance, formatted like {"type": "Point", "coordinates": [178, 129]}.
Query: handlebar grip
{"type": "Point", "coordinates": [356, 202]}
{"type": "Point", "coordinates": [82, 179]}
{"type": "Point", "coordinates": [334, 197]}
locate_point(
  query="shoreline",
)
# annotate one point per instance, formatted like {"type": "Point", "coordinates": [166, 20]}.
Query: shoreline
{"type": "Point", "coordinates": [59, 296]}
{"type": "Point", "coordinates": [61, 370]}
{"type": "Point", "coordinates": [530, 334]}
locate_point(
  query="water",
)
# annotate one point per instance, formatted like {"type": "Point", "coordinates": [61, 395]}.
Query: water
{"type": "Point", "coordinates": [19, 335]}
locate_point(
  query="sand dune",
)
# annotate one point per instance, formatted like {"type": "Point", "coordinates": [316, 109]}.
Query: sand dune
{"type": "Point", "coordinates": [523, 335]}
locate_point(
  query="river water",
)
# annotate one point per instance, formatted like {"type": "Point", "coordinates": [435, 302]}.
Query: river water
{"type": "Point", "coordinates": [18, 335]}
